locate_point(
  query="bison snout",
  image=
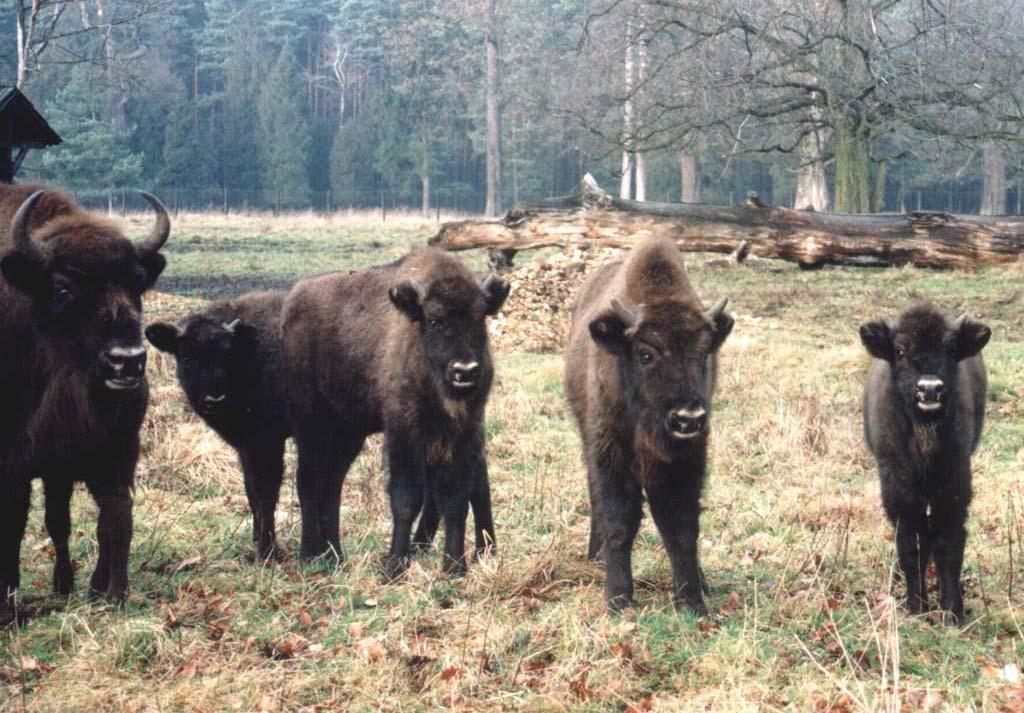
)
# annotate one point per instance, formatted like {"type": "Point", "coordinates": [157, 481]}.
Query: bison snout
{"type": "Point", "coordinates": [123, 367]}
{"type": "Point", "coordinates": [463, 375]}
{"type": "Point", "coordinates": [211, 404]}
{"type": "Point", "coordinates": [687, 422]}
{"type": "Point", "coordinates": [929, 393]}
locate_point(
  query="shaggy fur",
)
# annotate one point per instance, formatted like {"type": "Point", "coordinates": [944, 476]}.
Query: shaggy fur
{"type": "Point", "coordinates": [622, 382]}
{"type": "Point", "coordinates": [372, 351]}
{"type": "Point", "coordinates": [924, 457]}
{"type": "Point", "coordinates": [61, 312]}
{"type": "Point", "coordinates": [229, 366]}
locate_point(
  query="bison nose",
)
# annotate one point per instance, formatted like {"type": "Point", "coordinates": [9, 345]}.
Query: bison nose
{"type": "Point", "coordinates": [463, 375]}
{"type": "Point", "coordinates": [929, 393]}
{"type": "Point", "coordinates": [208, 399]}
{"type": "Point", "coordinates": [123, 367]}
{"type": "Point", "coordinates": [687, 422]}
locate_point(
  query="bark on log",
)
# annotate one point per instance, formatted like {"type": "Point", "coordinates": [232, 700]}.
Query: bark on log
{"type": "Point", "coordinates": [923, 239]}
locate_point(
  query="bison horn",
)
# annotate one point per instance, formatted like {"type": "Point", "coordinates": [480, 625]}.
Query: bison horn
{"type": "Point", "coordinates": [232, 325]}
{"type": "Point", "coordinates": [161, 231]}
{"type": "Point", "coordinates": [420, 289]}
{"type": "Point", "coordinates": [626, 314]}
{"type": "Point", "coordinates": [19, 227]}
{"type": "Point", "coordinates": [960, 322]}
{"type": "Point", "coordinates": [488, 283]}
{"type": "Point", "coordinates": [713, 313]}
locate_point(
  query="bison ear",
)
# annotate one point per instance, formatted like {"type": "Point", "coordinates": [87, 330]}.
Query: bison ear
{"type": "Point", "coordinates": [609, 330]}
{"type": "Point", "coordinates": [496, 292]}
{"type": "Point", "coordinates": [407, 296]}
{"type": "Point", "coordinates": [877, 339]}
{"type": "Point", "coordinates": [27, 275]}
{"type": "Point", "coordinates": [969, 338]}
{"type": "Point", "coordinates": [723, 328]}
{"type": "Point", "coordinates": [154, 264]}
{"type": "Point", "coordinates": [164, 336]}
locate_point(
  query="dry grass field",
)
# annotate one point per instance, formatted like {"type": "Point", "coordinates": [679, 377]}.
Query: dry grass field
{"type": "Point", "coordinates": [799, 558]}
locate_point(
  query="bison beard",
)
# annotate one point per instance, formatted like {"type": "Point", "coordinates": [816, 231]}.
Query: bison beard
{"type": "Point", "coordinates": [401, 349]}
{"type": "Point", "coordinates": [229, 366]}
{"type": "Point", "coordinates": [924, 405]}
{"type": "Point", "coordinates": [72, 371]}
{"type": "Point", "coordinates": [640, 368]}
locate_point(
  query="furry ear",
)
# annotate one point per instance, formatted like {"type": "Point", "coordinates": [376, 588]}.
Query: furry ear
{"type": "Point", "coordinates": [495, 291]}
{"type": "Point", "coordinates": [164, 336]}
{"type": "Point", "coordinates": [408, 296]}
{"type": "Point", "coordinates": [608, 329]}
{"type": "Point", "coordinates": [969, 337]}
{"type": "Point", "coordinates": [877, 339]}
{"type": "Point", "coordinates": [27, 275]}
{"type": "Point", "coordinates": [723, 328]}
{"type": "Point", "coordinates": [154, 264]}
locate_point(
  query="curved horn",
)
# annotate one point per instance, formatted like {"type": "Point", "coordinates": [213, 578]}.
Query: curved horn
{"type": "Point", "coordinates": [960, 322]}
{"type": "Point", "coordinates": [717, 309]}
{"type": "Point", "coordinates": [486, 284]}
{"type": "Point", "coordinates": [421, 290]}
{"type": "Point", "coordinates": [232, 325]}
{"type": "Point", "coordinates": [627, 315]}
{"type": "Point", "coordinates": [161, 231]}
{"type": "Point", "coordinates": [19, 227]}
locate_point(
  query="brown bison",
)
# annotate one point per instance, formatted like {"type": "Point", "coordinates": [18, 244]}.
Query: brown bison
{"type": "Point", "coordinates": [401, 349]}
{"type": "Point", "coordinates": [924, 406]}
{"type": "Point", "coordinates": [72, 374]}
{"type": "Point", "coordinates": [229, 366]}
{"type": "Point", "coordinates": [640, 368]}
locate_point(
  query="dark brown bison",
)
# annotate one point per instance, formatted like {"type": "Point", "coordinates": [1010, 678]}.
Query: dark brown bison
{"type": "Point", "coordinates": [72, 374]}
{"type": "Point", "coordinates": [924, 405]}
{"type": "Point", "coordinates": [229, 366]}
{"type": "Point", "coordinates": [640, 368]}
{"type": "Point", "coordinates": [401, 349]}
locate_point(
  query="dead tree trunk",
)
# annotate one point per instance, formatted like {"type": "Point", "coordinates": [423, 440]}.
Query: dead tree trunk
{"type": "Point", "coordinates": [935, 240]}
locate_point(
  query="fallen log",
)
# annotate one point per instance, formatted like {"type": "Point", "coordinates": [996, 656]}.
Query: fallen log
{"type": "Point", "coordinates": [590, 215]}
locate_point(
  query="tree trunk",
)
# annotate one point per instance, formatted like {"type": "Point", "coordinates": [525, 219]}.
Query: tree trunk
{"type": "Point", "coordinates": [689, 178]}
{"type": "Point", "coordinates": [936, 240]}
{"type": "Point", "coordinates": [638, 109]}
{"type": "Point", "coordinates": [629, 66]}
{"type": "Point", "coordinates": [811, 186]}
{"type": "Point", "coordinates": [425, 175]}
{"type": "Point", "coordinates": [993, 190]}
{"type": "Point", "coordinates": [493, 206]}
{"type": "Point", "coordinates": [641, 176]}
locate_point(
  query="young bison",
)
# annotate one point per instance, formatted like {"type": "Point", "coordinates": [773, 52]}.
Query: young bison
{"type": "Point", "coordinates": [640, 370]}
{"type": "Point", "coordinates": [924, 404]}
{"type": "Point", "coordinates": [229, 366]}
{"type": "Point", "coordinates": [400, 349]}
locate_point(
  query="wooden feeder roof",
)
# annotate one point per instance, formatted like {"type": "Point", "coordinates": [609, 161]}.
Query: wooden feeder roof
{"type": "Point", "coordinates": [21, 126]}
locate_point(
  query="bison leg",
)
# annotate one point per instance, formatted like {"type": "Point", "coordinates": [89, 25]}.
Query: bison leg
{"type": "Point", "coordinates": [948, 539]}
{"type": "Point", "coordinates": [677, 515]}
{"type": "Point", "coordinates": [913, 549]}
{"type": "Point", "coordinates": [619, 509]}
{"type": "Point", "coordinates": [111, 489]}
{"type": "Point", "coordinates": [58, 525]}
{"type": "Point", "coordinates": [324, 460]}
{"type": "Point", "coordinates": [455, 496]}
{"type": "Point", "coordinates": [405, 490]}
{"type": "Point", "coordinates": [263, 466]}
{"type": "Point", "coordinates": [13, 516]}
{"type": "Point", "coordinates": [480, 501]}
{"type": "Point", "coordinates": [596, 543]}
{"type": "Point", "coordinates": [426, 529]}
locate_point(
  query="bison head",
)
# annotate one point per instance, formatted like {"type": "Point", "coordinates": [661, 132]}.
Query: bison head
{"type": "Point", "coordinates": [663, 352]}
{"type": "Point", "coordinates": [86, 281]}
{"type": "Point", "coordinates": [924, 351]}
{"type": "Point", "coordinates": [203, 349]}
{"type": "Point", "coordinates": [450, 316]}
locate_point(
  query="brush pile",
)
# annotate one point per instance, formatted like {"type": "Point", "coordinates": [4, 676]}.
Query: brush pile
{"type": "Point", "coordinates": [536, 316]}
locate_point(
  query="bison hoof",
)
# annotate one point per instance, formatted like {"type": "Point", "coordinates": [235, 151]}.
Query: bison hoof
{"type": "Point", "coordinates": [98, 583]}
{"type": "Point", "coordinates": [8, 613]}
{"type": "Point", "coordinates": [393, 568]}
{"type": "Point", "coordinates": [618, 604]}
{"type": "Point", "coordinates": [696, 606]}
{"type": "Point", "coordinates": [454, 567]}
{"type": "Point", "coordinates": [421, 546]}
{"type": "Point", "coordinates": [63, 580]}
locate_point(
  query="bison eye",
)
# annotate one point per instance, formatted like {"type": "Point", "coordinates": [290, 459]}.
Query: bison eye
{"type": "Point", "coordinates": [900, 352]}
{"type": "Point", "coordinates": [61, 299]}
{"type": "Point", "coordinates": [646, 356]}
{"type": "Point", "coordinates": [433, 323]}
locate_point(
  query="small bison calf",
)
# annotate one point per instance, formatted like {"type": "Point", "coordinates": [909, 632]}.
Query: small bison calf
{"type": "Point", "coordinates": [924, 404]}
{"type": "Point", "coordinates": [640, 370]}
{"type": "Point", "coordinates": [229, 366]}
{"type": "Point", "coordinates": [402, 349]}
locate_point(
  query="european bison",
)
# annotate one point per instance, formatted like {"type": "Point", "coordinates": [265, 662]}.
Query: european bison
{"type": "Point", "coordinates": [924, 405]}
{"type": "Point", "coordinates": [72, 375]}
{"type": "Point", "coordinates": [229, 366]}
{"type": "Point", "coordinates": [401, 349]}
{"type": "Point", "coordinates": [640, 368]}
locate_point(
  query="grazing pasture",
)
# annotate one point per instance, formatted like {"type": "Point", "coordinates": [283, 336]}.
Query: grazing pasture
{"type": "Point", "coordinates": [798, 555]}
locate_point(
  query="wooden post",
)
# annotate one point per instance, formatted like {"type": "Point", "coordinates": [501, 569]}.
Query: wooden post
{"type": "Point", "coordinates": [175, 201]}
{"type": "Point", "coordinates": [124, 206]}
{"type": "Point", "coordinates": [277, 202]}
{"type": "Point", "coordinates": [225, 200]}
{"type": "Point", "coordinates": [327, 201]}
{"type": "Point", "coordinates": [919, 199]}
{"type": "Point", "coordinates": [383, 209]}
